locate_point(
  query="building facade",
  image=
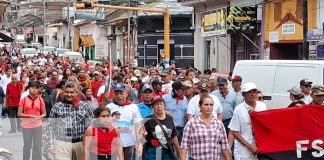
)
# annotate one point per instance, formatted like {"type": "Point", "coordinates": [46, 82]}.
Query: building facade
{"type": "Point", "coordinates": [284, 28]}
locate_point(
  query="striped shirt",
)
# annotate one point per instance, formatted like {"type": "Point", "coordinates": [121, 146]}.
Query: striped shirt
{"type": "Point", "coordinates": [205, 143]}
{"type": "Point", "coordinates": [68, 123]}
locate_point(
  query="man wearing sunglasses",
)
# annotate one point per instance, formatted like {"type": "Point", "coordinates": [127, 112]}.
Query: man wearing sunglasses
{"type": "Point", "coordinates": [227, 99]}
{"type": "Point", "coordinates": [305, 86]}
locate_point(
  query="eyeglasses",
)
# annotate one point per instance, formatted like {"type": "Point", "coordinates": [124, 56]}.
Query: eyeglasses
{"type": "Point", "coordinates": [260, 98]}
{"type": "Point", "coordinates": [307, 86]}
{"type": "Point", "coordinates": [204, 90]}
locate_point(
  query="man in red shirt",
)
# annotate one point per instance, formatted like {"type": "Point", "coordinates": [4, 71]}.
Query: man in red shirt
{"type": "Point", "coordinates": [51, 83]}
{"type": "Point", "coordinates": [96, 83]}
{"type": "Point", "coordinates": [13, 93]}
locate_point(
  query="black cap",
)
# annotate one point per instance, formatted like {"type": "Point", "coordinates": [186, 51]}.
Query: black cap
{"type": "Point", "coordinates": [33, 84]}
{"type": "Point", "coordinates": [115, 113]}
{"type": "Point", "coordinates": [178, 85]}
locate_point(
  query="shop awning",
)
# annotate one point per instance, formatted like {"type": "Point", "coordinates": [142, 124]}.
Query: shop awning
{"type": "Point", "coordinates": [87, 40]}
{"type": "Point", "coordinates": [5, 38]}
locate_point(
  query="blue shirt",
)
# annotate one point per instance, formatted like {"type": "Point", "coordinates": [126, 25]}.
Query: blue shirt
{"type": "Point", "coordinates": [177, 110]}
{"type": "Point", "coordinates": [145, 110]}
{"type": "Point", "coordinates": [228, 102]}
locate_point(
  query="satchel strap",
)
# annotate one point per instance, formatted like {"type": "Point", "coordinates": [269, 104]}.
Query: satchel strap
{"type": "Point", "coordinates": [162, 128]}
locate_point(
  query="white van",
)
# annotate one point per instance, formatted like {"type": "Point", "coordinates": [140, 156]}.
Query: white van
{"type": "Point", "coordinates": [60, 51]}
{"type": "Point", "coordinates": [48, 49]}
{"type": "Point", "coordinates": [28, 52]}
{"type": "Point", "coordinates": [275, 77]}
{"type": "Point", "coordinates": [74, 56]}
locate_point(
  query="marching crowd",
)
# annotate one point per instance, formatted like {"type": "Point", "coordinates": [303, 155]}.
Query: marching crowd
{"type": "Point", "coordinates": [74, 110]}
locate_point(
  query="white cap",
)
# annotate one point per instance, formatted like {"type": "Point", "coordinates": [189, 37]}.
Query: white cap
{"type": "Point", "coordinates": [173, 72]}
{"type": "Point", "coordinates": [134, 79]}
{"type": "Point", "coordinates": [246, 87]}
{"type": "Point", "coordinates": [195, 80]}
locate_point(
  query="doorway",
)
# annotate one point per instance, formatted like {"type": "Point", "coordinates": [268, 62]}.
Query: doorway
{"type": "Point", "coordinates": [289, 51]}
{"type": "Point", "coordinates": [207, 66]}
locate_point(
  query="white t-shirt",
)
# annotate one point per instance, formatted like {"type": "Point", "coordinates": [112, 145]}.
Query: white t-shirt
{"type": "Point", "coordinates": [126, 124]}
{"type": "Point", "coordinates": [193, 106]}
{"type": "Point", "coordinates": [307, 99]}
{"type": "Point", "coordinates": [241, 122]}
{"type": "Point", "coordinates": [167, 88]}
{"type": "Point", "coordinates": [4, 82]}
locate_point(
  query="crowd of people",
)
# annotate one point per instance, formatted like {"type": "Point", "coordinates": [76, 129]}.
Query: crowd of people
{"type": "Point", "coordinates": [74, 111]}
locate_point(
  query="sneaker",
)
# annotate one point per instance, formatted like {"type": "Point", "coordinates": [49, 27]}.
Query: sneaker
{"type": "Point", "coordinates": [12, 131]}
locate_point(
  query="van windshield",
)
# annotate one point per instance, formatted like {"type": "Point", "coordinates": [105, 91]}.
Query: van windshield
{"type": "Point", "coordinates": [61, 51]}
{"type": "Point", "coordinates": [75, 57]}
{"type": "Point", "coordinates": [28, 52]}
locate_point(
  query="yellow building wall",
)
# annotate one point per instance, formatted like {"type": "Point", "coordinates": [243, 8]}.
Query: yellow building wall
{"type": "Point", "coordinates": [288, 6]}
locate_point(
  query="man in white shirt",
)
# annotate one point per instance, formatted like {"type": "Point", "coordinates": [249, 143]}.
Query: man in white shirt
{"type": "Point", "coordinates": [193, 105]}
{"type": "Point", "coordinates": [240, 125]}
{"type": "Point", "coordinates": [128, 123]}
{"type": "Point", "coordinates": [5, 80]}
{"type": "Point", "coordinates": [167, 79]}
{"type": "Point", "coordinates": [305, 86]}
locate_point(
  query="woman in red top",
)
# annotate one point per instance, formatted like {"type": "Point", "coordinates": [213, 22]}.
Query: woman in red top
{"type": "Point", "coordinates": [101, 140]}
{"type": "Point", "coordinates": [32, 109]}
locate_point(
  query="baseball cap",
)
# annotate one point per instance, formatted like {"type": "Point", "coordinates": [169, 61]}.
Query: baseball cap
{"type": "Point", "coordinates": [33, 84]}
{"type": "Point", "coordinates": [118, 87]}
{"type": "Point", "coordinates": [295, 91]}
{"type": "Point", "coordinates": [173, 72]}
{"type": "Point", "coordinates": [203, 84]}
{"type": "Point", "coordinates": [318, 90]}
{"type": "Point", "coordinates": [156, 99]}
{"type": "Point", "coordinates": [195, 80]}
{"type": "Point", "coordinates": [178, 85]}
{"type": "Point", "coordinates": [236, 78]}
{"type": "Point", "coordinates": [135, 79]}
{"type": "Point", "coordinates": [96, 72]}
{"type": "Point", "coordinates": [222, 80]}
{"type": "Point", "coordinates": [165, 73]}
{"type": "Point", "coordinates": [155, 81]}
{"type": "Point", "coordinates": [187, 84]}
{"type": "Point", "coordinates": [115, 113]}
{"type": "Point", "coordinates": [147, 87]}
{"type": "Point", "coordinates": [304, 82]}
{"type": "Point", "coordinates": [246, 87]}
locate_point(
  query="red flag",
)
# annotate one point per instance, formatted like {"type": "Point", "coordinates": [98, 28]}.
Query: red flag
{"type": "Point", "coordinates": [290, 133]}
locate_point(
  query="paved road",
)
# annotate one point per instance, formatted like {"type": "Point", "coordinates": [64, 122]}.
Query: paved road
{"type": "Point", "coordinates": [11, 141]}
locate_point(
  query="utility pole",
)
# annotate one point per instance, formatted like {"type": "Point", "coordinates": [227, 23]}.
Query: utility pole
{"type": "Point", "coordinates": [305, 29]}
{"type": "Point", "coordinates": [69, 28]}
{"type": "Point", "coordinates": [128, 34]}
{"type": "Point", "coordinates": [44, 23]}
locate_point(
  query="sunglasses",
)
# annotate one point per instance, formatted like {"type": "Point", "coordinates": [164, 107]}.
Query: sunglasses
{"type": "Point", "coordinates": [260, 98]}
{"type": "Point", "coordinates": [308, 86]}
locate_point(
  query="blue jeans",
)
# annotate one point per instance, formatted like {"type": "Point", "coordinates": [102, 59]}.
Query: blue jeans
{"type": "Point", "coordinates": [151, 154]}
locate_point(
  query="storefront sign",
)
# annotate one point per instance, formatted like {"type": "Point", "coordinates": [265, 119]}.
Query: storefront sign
{"type": "Point", "coordinates": [273, 37]}
{"type": "Point", "coordinates": [288, 29]}
{"type": "Point", "coordinates": [241, 19]}
{"type": "Point", "coordinates": [315, 35]}
{"type": "Point", "coordinates": [214, 23]}
{"type": "Point", "coordinates": [320, 52]}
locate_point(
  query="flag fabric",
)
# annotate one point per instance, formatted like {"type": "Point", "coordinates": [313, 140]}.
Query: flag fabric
{"type": "Point", "coordinates": [290, 134]}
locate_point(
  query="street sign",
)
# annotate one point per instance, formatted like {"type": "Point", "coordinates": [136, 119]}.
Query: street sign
{"type": "Point", "coordinates": [241, 19]}
{"type": "Point", "coordinates": [288, 29]}
{"type": "Point", "coordinates": [214, 23]}
{"type": "Point", "coordinates": [320, 52]}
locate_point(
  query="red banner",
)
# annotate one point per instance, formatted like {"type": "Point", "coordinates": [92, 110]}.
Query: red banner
{"type": "Point", "coordinates": [290, 133]}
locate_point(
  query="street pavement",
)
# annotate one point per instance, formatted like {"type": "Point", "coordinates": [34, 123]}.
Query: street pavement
{"type": "Point", "coordinates": [12, 141]}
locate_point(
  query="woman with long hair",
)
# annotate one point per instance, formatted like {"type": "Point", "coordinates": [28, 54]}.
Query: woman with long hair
{"type": "Point", "coordinates": [92, 101]}
{"type": "Point", "coordinates": [101, 139]}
